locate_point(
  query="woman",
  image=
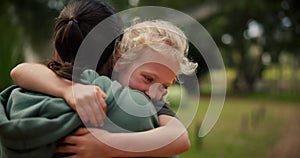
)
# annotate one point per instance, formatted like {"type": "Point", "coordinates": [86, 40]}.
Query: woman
{"type": "Point", "coordinates": [170, 149]}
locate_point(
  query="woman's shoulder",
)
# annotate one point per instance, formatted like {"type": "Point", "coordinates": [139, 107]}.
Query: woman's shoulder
{"type": "Point", "coordinates": [90, 76]}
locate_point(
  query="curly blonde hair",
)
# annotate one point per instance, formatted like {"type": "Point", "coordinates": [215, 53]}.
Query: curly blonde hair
{"type": "Point", "coordinates": [157, 35]}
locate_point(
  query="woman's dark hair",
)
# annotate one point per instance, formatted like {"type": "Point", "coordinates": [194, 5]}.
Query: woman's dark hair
{"type": "Point", "coordinates": [73, 24]}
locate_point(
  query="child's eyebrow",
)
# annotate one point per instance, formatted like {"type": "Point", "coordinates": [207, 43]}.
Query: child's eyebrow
{"type": "Point", "coordinates": [152, 73]}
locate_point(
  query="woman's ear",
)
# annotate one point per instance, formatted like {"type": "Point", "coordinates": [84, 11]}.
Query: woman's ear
{"type": "Point", "coordinates": [57, 57]}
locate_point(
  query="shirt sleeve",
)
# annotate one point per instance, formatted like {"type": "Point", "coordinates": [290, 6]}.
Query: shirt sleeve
{"type": "Point", "coordinates": [91, 77]}
{"type": "Point", "coordinates": [166, 110]}
{"type": "Point", "coordinates": [163, 108]}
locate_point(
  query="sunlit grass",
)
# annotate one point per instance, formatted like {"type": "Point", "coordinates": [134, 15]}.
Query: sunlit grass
{"type": "Point", "coordinates": [246, 128]}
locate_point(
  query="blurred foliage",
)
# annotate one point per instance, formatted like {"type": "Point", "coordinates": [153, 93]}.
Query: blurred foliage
{"type": "Point", "coordinates": [11, 44]}
{"type": "Point", "coordinates": [179, 5]}
{"type": "Point", "coordinates": [246, 31]}
{"type": "Point", "coordinates": [24, 24]}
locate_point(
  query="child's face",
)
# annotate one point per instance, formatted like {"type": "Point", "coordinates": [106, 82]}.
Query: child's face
{"type": "Point", "coordinates": [152, 73]}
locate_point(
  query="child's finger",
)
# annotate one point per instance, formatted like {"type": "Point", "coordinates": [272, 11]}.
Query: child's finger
{"type": "Point", "coordinates": [101, 96]}
{"type": "Point", "coordinates": [99, 114]}
{"type": "Point", "coordinates": [90, 111]}
{"type": "Point", "coordinates": [82, 114]}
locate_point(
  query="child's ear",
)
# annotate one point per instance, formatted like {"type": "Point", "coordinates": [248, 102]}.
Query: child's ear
{"type": "Point", "coordinates": [174, 80]}
{"type": "Point", "coordinates": [116, 57]}
{"type": "Point", "coordinates": [117, 67]}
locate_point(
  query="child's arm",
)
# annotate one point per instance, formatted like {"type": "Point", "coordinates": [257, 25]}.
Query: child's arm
{"type": "Point", "coordinates": [167, 140]}
{"type": "Point", "coordinates": [85, 99]}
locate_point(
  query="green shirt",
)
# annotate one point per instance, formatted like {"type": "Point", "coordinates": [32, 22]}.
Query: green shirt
{"type": "Point", "coordinates": [31, 122]}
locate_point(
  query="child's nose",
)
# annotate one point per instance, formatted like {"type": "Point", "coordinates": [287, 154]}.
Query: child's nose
{"type": "Point", "coordinates": [156, 91]}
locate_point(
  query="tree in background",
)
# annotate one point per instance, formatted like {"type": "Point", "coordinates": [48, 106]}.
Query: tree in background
{"type": "Point", "coordinates": [11, 43]}
{"type": "Point", "coordinates": [253, 33]}
{"type": "Point", "coordinates": [24, 24]}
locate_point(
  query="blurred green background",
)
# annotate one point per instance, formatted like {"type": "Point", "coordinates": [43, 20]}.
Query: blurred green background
{"type": "Point", "coordinates": [259, 42]}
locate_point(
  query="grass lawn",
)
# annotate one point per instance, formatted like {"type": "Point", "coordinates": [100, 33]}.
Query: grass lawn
{"type": "Point", "coordinates": [247, 128]}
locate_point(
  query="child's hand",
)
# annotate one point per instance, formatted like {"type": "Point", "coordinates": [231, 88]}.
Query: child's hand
{"type": "Point", "coordinates": [88, 101]}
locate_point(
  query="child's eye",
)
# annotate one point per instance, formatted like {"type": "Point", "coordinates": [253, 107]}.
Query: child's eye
{"type": "Point", "coordinates": [148, 78]}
